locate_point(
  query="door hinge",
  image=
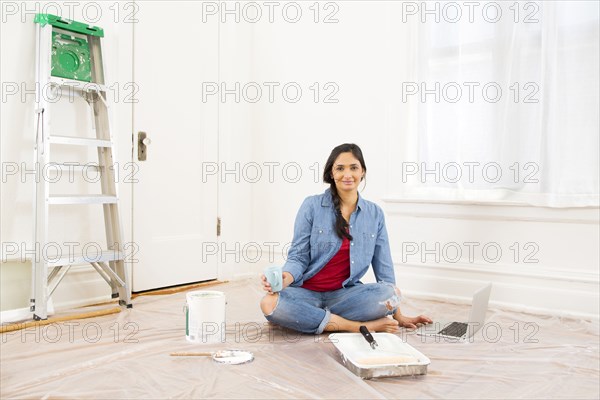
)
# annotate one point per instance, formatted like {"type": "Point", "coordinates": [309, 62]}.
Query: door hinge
{"type": "Point", "coordinates": [218, 226]}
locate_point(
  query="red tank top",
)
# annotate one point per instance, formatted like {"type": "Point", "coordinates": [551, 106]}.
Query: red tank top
{"type": "Point", "coordinates": [334, 273]}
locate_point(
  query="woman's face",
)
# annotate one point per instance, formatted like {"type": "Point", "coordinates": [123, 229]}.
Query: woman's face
{"type": "Point", "coordinates": [347, 172]}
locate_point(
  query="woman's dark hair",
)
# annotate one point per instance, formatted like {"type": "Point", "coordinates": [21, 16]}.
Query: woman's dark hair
{"type": "Point", "coordinates": [340, 223]}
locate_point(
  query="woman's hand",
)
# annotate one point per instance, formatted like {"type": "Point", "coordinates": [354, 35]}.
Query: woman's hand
{"type": "Point", "coordinates": [265, 284]}
{"type": "Point", "coordinates": [287, 278]}
{"type": "Point", "coordinates": [413, 322]}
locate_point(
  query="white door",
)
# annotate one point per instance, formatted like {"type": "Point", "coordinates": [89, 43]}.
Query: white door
{"type": "Point", "coordinates": [174, 211]}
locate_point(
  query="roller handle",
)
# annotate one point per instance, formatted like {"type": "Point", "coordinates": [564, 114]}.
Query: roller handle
{"type": "Point", "coordinates": [191, 354]}
{"type": "Point", "coordinates": [367, 335]}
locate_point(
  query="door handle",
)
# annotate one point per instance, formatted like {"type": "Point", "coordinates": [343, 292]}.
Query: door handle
{"type": "Point", "coordinates": [143, 142]}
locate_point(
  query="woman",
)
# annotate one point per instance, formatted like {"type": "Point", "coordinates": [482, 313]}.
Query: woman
{"type": "Point", "coordinates": [337, 235]}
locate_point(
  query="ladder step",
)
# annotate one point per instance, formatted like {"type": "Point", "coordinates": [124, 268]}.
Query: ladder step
{"type": "Point", "coordinates": [77, 85]}
{"type": "Point", "coordinates": [92, 256]}
{"type": "Point", "coordinates": [82, 199]}
{"type": "Point", "coordinates": [79, 141]}
{"type": "Point", "coordinates": [63, 167]}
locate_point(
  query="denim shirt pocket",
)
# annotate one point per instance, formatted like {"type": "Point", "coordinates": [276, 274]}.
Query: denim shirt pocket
{"type": "Point", "coordinates": [321, 240]}
{"type": "Point", "coordinates": [367, 245]}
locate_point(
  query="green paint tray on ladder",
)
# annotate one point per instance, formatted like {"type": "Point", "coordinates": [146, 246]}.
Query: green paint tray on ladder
{"type": "Point", "coordinates": [70, 57]}
{"type": "Point", "coordinates": [70, 54]}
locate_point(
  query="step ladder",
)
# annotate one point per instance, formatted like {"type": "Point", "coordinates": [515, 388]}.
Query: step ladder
{"type": "Point", "coordinates": [69, 58]}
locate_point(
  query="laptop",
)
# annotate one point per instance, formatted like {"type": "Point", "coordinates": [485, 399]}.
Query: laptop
{"type": "Point", "coordinates": [461, 330]}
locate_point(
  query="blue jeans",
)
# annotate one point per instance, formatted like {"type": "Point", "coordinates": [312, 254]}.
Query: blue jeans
{"type": "Point", "coordinates": [308, 311]}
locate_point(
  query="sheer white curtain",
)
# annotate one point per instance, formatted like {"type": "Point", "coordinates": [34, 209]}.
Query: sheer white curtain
{"type": "Point", "coordinates": [506, 108]}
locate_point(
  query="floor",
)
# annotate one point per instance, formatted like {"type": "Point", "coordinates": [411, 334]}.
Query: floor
{"type": "Point", "coordinates": [126, 355]}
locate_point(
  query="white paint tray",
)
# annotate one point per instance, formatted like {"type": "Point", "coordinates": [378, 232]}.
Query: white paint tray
{"type": "Point", "coordinates": [393, 357]}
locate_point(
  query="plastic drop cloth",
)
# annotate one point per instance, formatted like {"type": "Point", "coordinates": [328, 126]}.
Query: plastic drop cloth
{"type": "Point", "coordinates": [126, 355]}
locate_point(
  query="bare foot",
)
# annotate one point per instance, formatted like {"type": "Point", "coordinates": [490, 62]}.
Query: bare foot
{"type": "Point", "coordinates": [382, 325]}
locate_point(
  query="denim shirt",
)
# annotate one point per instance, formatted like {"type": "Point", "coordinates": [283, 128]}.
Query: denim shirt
{"type": "Point", "coordinates": [316, 242]}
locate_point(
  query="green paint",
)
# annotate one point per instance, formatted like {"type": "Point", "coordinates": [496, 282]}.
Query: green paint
{"type": "Point", "coordinates": [187, 324]}
{"type": "Point", "coordinates": [71, 57]}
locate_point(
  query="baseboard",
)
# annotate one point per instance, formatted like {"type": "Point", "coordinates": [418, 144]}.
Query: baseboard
{"type": "Point", "coordinates": [82, 302]}
{"type": "Point", "coordinates": [23, 314]}
{"type": "Point", "coordinates": [575, 300]}
{"type": "Point", "coordinates": [245, 275]}
{"type": "Point", "coordinates": [521, 271]}
{"type": "Point", "coordinates": [16, 315]}
{"type": "Point", "coordinates": [502, 305]}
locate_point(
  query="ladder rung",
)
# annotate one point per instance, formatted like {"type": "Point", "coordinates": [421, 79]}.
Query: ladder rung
{"type": "Point", "coordinates": [79, 141]}
{"type": "Point", "coordinates": [92, 256]}
{"type": "Point", "coordinates": [82, 199]}
{"type": "Point", "coordinates": [55, 167]}
{"type": "Point", "coordinates": [77, 85]}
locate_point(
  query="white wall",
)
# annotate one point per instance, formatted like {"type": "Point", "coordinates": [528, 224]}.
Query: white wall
{"type": "Point", "coordinates": [359, 56]}
{"type": "Point", "coordinates": [237, 146]}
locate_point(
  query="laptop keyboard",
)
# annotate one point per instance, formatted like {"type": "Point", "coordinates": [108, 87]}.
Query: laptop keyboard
{"type": "Point", "coordinates": [456, 329]}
